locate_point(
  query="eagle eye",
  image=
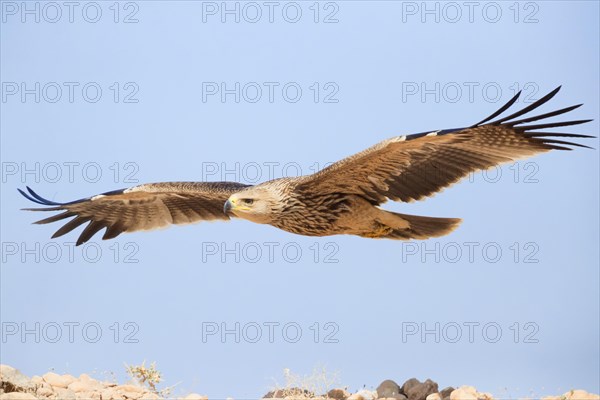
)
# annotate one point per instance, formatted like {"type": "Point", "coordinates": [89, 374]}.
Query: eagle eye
{"type": "Point", "coordinates": [248, 201]}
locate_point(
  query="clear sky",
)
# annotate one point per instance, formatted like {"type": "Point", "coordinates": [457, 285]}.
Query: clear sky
{"type": "Point", "coordinates": [101, 96]}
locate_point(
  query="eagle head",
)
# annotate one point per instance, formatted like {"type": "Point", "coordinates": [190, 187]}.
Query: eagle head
{"type": "Point", "coordinates": [256, 204]}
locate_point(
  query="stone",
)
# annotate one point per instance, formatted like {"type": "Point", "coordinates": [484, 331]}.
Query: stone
{"type": "Point", "coordinates": [434, 396]}
{"type": "Point", "coordinates": [88, 395]}
{"type": "Point", "coordinates": [86, 385]}
{"type": "Point", "coordinates": [420, 391]}
{"type": "Point", "coordinates": [44, 390]}
{"type": "Point", "coordinates": [274, 394]}
{"type": "Point", "coordinates": [12, 380]}
{"type": "Point", "coordinates": [132, 395]}
{"type": "Point", "coordinates": [17, 396]}
{"type": "Point", "coordinates": [445, 393]}
{"type": "Point", "coordinates": [59, 381]}
{"type": "Point", "coordinates": [576, 395]}
{"type": "Point", "coordinates": [409, 384]}
{"type": "Point", "coordinates": [130, 388]}
{"type": "Point", "coordinates": [464, 393]}
{"type": "Point", "coordinates": [78, 386]}
{"type": "Point", "coordinates": [338, 394]}
{"type": "Point", "coordinates": [388, 388]}
{"type": "Point", "coordinates": [363, 395]}
{"type": "Point", "coordinates": [64, 394]}
{"type": "Point", "coordinates": [195, 396]}
{"type": "Point", "coordinates": [288, 393]}
{"type": "Point", "coordinates": [37, 380]}
{"type": "Point", "coordinates": [106, 393]}
{"type": "Point", "coordinates": [90, 382]}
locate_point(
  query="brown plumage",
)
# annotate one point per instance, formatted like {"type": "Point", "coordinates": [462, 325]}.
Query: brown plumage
{"type": "Point", "coordinates": [340, 199]}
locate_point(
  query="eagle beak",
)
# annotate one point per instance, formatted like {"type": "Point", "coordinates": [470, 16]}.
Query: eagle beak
{"type": "Point", "coordinates": [227, 207]}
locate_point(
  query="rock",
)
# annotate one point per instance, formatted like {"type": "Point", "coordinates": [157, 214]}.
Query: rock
{"type": "Point", "coordinates": [58, 381]}
{"type": "Point", "coordinates": [37, 380]}
{"type": "Point", "coordinates": [363, 395]}
{"type": "Point", "coordinates": [64, 394]}
{"type": "Point", "coordinates": [574, 395]}
{"type": "Point", "coordinates": [12, 380]}
{"type": "Point", "coordinates": [338, 394]}
{"type": "Point", "coordinates": [115, 396]}
{"type": "Point", "coordinates": [17, 396]}
{"type": "Point", "coordinates": [44, 390]}
{"type": "Point", "coordinates": [274, 394]}
{"type": "Point", "coordinates": [580, 395]}
{"type": "Point", "coordinates": [88, 395]}
{"type": "Point", "coordinates": [388, 388]}
{"type": "Point", "coordinates": [464, 393]}
{"type": "Point", "coordinates": [445, 393]}
{"type": "Point", "coordinates": [90, 382]}
{"type": "Point", "coordinates": [107, 394]}
{"type": "Point", "coordinates": [78, 386]}
{"type": "Point", "coordinates": [409, 384]}
{"type": "Point", "coordinates": [434, 396]}
{"type": "Point", "coordinates": [415, 390]}
{"type": "Point", "coordinates": [130, 388]}
{"type": "Point", "coordinates": [133, 395]}
{"type": "Point", "coordinates": [194, 396]}
{"type": "Point", "coordinates": [288, 393]}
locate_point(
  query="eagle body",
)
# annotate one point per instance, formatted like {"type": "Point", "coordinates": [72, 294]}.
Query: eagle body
{"type": "Point", "coordinates": [344, 198]}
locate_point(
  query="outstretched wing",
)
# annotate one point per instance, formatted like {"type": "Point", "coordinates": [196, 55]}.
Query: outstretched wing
{"type": "Point", "coordinates": [409, 168]}
{"type": "Point", "coordinates": [143, 207]}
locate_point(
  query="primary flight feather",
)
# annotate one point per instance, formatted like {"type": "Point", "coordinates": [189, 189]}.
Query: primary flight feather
{"type": "Point", "coordinates": [340, 199]}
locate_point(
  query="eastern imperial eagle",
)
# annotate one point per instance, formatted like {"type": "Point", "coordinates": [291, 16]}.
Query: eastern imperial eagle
{"type": "Point", "coordinates": [343, 198]}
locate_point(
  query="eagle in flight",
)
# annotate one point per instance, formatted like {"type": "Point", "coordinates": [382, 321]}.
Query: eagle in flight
{"type": "Point", "coordinates": [343, 198]}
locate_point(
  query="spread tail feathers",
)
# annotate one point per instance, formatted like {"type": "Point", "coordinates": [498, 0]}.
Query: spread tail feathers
{"type": "Point", "coordinates": [418, 227]}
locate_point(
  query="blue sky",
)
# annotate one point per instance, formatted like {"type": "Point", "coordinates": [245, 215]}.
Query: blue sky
{"type": "Point", "coordinates": [508, 303]}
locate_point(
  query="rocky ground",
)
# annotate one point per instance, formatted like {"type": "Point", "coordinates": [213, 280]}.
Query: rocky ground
{"type": "Point", "coordinates": [16, 386]}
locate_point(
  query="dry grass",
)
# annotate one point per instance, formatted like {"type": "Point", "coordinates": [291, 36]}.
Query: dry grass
{"type": "Point", "coordinates": [149, 377]}
{"type": "Point", "coordinates": [316, 384]}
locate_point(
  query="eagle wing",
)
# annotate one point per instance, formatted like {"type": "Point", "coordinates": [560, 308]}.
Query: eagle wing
{"type": "Point", "coordinates": [409, 168]}
{"type": "Point", "coordinates": [143, 207]}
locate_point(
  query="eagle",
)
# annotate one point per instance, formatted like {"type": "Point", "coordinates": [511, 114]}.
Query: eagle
{"type": "Point", "coordinates": [343, 198]}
